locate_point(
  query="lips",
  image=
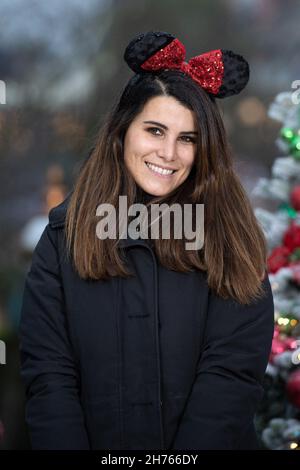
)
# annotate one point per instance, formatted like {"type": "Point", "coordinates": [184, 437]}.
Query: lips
{"type": "Point", "coordinates": [162, 167]}
{"type": "Point", "coordinates": [160, 172]}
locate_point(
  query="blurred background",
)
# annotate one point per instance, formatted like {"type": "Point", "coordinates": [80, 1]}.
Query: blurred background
{"type": "Point", "coordinates": [61, 67]}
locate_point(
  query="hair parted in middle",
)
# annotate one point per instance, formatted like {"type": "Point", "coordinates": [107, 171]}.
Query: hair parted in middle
{"type": "Point", "coordinates": [234, 253]}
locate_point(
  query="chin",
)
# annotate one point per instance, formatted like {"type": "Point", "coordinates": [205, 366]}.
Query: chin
{"type": "Point", "coordinates": [155, 191]}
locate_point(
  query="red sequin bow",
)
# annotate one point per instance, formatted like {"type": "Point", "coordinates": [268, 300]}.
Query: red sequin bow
{"type": "Point", "coordinates": [206, 69]}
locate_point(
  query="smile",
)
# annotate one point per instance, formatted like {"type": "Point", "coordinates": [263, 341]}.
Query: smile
{"type": "Point", "coordinates": [160, 171]}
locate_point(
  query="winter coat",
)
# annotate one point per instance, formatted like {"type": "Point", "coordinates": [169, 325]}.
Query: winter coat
{"type": "Point", "coordinates": [157, 361]}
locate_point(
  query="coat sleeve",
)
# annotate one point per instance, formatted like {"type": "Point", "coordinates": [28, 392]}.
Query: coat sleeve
{"type": "Point", "coordinates": [228, 385]}
{"type": "Point", "coordinates": [48, 368]}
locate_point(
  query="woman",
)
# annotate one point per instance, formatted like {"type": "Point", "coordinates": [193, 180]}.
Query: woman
{"type": "Point", "coordinates": [139, 343]}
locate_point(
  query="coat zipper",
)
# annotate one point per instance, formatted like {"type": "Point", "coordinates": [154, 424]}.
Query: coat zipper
{"type": "Point", "coordinates": [157, 345]}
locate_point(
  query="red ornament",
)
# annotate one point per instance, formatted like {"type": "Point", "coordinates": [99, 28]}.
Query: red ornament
{"type": "Point", "coordinates": [281, 343]}
{"type": "Point", "coordinates": [278, 259]}
{"type": "Point", "coordinates": [291, 343]}
{"type": "Point", "coordinates": [291, 239]}
{"type": "Point", "coordinates": [276, 331]}
{"type": "Point", "coordinates": [295, 198]}
{"type": "Point", "coordinates": [278, 347]}
{"type": "Point", "coordinates": [293, 388]}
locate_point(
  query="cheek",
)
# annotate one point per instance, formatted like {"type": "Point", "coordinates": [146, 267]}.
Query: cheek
{"type": "Point", "coordinates": [129, 152]}
{"type": "Point", "coordinates": [188, 159]}
{"type": "Point", "coordinates": [137, 147]}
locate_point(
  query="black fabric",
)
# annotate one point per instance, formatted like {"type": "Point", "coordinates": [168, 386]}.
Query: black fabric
{"type": "Point", "coordinates": [236, 74]}
{"type": "Point", "coordinates": [155, 361]}
{"type": "Point", "coordinates": [144, 46]}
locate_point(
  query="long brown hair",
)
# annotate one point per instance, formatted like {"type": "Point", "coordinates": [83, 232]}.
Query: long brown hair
{"type": "Point", "coordinates": [234, 251]}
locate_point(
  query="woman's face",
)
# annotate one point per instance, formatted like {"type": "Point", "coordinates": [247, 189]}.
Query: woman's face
{"type": "Point", "coordinates": [168, 142]}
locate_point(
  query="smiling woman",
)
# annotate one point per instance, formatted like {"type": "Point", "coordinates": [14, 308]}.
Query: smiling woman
{"type": "Point", "coordinates": [133, 345]}
{"type": "Point", "coordinates": [160, 161]}
{"type": "Point", "coordinates": [165, 121]}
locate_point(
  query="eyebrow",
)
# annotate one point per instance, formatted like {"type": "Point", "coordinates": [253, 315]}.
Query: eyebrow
{"type": "Point", "coordinates": [166, 128]}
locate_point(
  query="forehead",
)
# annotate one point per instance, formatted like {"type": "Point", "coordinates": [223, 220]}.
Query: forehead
{"type": "Point", "coordinates": [168, 111]}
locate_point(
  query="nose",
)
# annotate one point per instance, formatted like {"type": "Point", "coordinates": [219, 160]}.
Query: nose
{"type": "Point", "coordinates": [168, 149]}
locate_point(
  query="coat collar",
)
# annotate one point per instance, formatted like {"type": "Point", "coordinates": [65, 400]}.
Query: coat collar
{"type": "Point", "coordinates": [129, 242]}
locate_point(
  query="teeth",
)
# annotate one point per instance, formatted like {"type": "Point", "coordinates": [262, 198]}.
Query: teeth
{"type": "Point", "coordinates": [159, 170]}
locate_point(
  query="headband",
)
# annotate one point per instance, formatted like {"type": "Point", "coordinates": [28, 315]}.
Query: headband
{"type": "Point", "coordinates": [220, 72]}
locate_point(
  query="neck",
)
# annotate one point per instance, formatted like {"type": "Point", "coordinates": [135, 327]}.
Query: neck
{"type": "Point", "coordinates": [142, 196]}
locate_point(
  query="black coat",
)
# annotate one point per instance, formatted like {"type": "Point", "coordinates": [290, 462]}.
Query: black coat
{"type": "Point", "coordinates": [157, 361]}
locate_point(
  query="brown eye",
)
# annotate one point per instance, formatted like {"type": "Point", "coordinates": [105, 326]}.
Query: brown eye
{"type": "Point", "coordinates": [186, 138]}
{"type": "Point", "coordinates": [191, 139]}
{"type": "Point", "coordinates": [153, 129]}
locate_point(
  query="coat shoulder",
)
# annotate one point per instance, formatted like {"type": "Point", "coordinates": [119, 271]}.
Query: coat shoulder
{"type": "Point", "coordinates": [57, 214]}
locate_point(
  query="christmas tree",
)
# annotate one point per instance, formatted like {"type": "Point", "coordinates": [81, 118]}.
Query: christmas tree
{"type": "Point", "coordinates": [278, 419]}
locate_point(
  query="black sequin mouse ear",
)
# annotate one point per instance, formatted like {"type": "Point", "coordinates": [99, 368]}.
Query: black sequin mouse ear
{"type": "Point", "coordinates": [143, 46]}
{"type": "Point", "coordinates": [235, 75]}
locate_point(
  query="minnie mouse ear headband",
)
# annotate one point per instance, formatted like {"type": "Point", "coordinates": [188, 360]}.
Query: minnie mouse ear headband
{"type": "Point", "coordinates": [220, 72]}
